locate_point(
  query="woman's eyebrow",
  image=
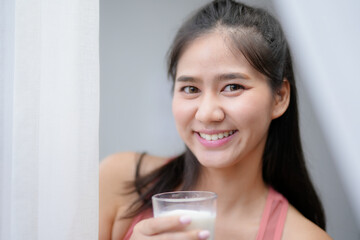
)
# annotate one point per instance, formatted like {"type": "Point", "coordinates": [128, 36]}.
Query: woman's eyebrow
{"type": "Point", "coordinates": [221, 77]}
{"type": "Point", "coordinates": [231, 76]}
{"type": "Point", "coordinates": [185, 79]}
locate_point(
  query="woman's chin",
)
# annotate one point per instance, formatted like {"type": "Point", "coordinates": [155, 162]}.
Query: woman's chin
{"type": "Point", "coordinates": [213, 160]}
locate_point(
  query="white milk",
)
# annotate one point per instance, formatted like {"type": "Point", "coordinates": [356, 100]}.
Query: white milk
{"type": "Point", "coordinates": [201, 220]}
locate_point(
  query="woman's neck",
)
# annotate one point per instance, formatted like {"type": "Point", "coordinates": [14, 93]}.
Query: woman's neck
{"type": "Point", "coordinates": [238, 187]}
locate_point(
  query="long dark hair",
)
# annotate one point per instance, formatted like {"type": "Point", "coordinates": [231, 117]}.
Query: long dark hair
{"type": "Point", "coordinates": [259, 37]}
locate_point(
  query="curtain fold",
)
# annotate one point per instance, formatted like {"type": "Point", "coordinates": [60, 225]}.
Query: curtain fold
{"type": "Point", "coordinates": [50, 118]}
{"type": "Point", "coordinates": [6, 88]}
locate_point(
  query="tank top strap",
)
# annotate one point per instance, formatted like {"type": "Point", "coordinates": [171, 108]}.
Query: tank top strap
{"type": "Point", "coordinates": [274, 216]}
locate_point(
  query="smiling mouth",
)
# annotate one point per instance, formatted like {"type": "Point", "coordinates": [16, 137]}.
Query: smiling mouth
{"type": "Point", "coordinates": [214, 137]}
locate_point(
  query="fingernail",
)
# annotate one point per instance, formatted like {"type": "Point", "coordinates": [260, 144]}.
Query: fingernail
{"type": "Point", "coordinates": [185, 219]}
{"type": "Point", "coordinates": [204, 234]}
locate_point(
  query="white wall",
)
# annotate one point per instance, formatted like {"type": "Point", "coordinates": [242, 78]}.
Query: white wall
{"type": "Point", "coordinates": [136, 97]}
{"type": "Point", "coordinates": [325, 41]}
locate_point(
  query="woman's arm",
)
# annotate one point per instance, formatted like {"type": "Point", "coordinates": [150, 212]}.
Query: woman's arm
{"type": "Point", "coordinates": [115, 171]}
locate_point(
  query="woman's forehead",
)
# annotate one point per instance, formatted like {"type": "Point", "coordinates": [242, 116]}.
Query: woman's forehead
{"type": "Point", "coordinates": [213, 52]}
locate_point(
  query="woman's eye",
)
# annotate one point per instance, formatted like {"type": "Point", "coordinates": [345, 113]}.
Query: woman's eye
{"type": "Point", "coordinates": [233, 87]}
{"type": "Point", "coordinates": [190, 89]}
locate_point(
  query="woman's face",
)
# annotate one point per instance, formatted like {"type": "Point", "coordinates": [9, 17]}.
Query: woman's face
{"type": "Point", "coordinates": [222, 106]}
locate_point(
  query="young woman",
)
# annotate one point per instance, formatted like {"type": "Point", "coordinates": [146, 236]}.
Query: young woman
{"type": "Point", "coordinates": [235, 107]}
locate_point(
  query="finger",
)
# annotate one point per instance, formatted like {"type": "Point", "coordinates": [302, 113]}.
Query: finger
{"type": "Point", "coordinates": [188, 235]}
{"type": "Point", "coordinates": [158, 225]}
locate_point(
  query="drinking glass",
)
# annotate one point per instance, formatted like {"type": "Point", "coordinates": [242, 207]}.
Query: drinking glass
{"type": "Point", "coordinates": [199, 205]}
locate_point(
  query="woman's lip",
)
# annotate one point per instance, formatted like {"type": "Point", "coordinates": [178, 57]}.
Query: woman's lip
{"type": "Point", "coordinates": [211, 132]}
{"type": "Point", "coordinates": [214, 143]}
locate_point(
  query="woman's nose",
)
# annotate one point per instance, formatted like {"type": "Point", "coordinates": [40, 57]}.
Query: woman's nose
{"type": "Point", "coordinates": [209, 110]}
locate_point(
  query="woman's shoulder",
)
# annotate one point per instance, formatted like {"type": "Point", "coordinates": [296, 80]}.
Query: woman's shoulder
{"type": "Point", "coordinates": [117, 166]}
{"type": "Point", "coordinates": [298, 227]}
{"type": "Point", "coordinates": [122, 166]}
{"type": "Point", "coordinates": [115, 173]}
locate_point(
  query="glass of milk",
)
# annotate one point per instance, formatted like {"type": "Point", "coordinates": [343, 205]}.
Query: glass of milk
{"type": "Point", "coordinates": [199, 205]}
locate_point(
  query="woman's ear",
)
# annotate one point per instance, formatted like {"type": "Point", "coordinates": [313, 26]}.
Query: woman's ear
{"type": "Point", "coordinates": [282, 99]}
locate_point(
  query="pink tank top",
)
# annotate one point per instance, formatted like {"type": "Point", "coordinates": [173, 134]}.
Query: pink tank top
{"type": "Point", "coordinates": [272, 220]}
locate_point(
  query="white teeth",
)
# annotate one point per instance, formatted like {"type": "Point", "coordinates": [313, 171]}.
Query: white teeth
{"type": "Point", "coordinates": [214, 137]}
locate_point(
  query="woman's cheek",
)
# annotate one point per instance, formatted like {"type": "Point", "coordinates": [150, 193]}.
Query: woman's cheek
{"type": "Point", "coordinates": [176, 111]}
{"type": "Point", "coordinates": [180, 109]}
{"type": "Point", "coordinates": [257, 117]}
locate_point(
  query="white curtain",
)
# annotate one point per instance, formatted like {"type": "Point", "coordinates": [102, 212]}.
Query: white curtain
{"type": "Point", "coordinates": [325, 39]}
{"type": "Point", "coordinates": [49, 106]}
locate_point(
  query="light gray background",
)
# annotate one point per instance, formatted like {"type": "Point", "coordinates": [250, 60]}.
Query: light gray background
{"type": "Point", "coordinates": [136, 97]}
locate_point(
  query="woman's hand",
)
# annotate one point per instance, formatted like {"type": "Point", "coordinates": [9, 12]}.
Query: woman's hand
{"type": "Point", "coordinates": [162, 228]}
